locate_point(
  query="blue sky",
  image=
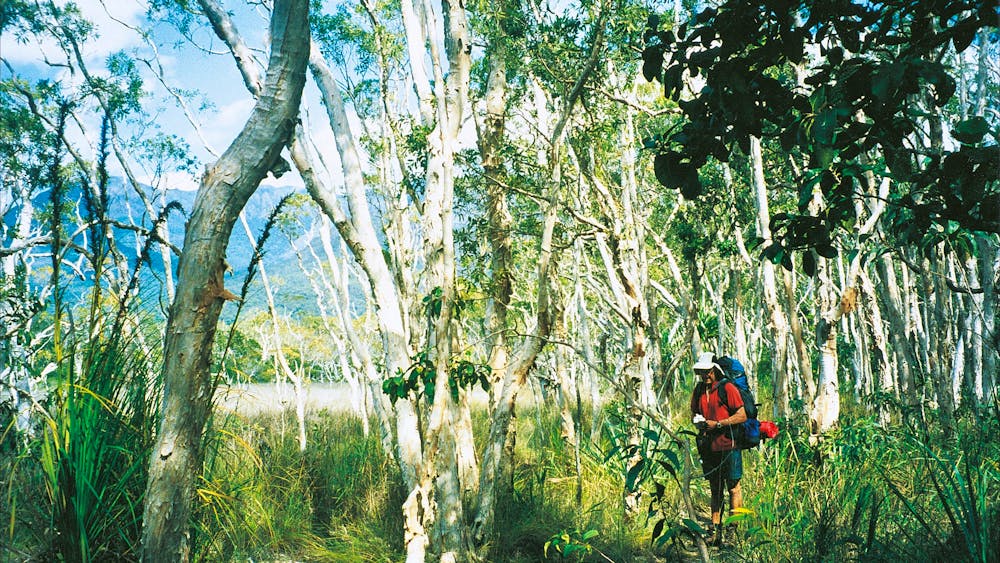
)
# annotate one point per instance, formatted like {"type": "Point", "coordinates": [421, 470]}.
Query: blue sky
{"type": "Point", "coordinates": [185, 67]}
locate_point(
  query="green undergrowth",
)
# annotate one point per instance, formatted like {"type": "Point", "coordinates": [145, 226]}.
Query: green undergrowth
{"type": "Point", "coordinates": [261, 498]}
{"type": "Point", "coordinates": [863, 493]}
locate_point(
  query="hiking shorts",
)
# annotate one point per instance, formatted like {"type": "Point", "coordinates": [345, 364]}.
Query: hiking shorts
{"type": "Point", "coordinates": [722, 465]}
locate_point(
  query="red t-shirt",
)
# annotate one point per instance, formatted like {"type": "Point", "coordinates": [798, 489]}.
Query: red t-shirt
{"type": "Point", "coordinates": [708, 404]}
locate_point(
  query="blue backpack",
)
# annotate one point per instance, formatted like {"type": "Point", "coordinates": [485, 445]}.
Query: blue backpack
{"type": "Point", "coordinates": [747, 434]}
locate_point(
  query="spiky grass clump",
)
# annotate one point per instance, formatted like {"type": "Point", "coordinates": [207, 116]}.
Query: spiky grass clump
{"type": "Point", "coordinates": [95, 450]}
{"type": "Point", "coordinates": [75, 492]}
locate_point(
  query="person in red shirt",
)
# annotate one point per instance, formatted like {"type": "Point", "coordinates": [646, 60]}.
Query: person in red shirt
{"type": "Point", "coordinates": [721, 462]}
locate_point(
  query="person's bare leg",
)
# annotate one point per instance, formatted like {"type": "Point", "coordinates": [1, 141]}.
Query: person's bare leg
{"type": "Point", "coordinates": [717, 498]}
{"type": "Point", "coordinates": [735, 502]}
{"type": "Point", "coordinates": [735, 496]}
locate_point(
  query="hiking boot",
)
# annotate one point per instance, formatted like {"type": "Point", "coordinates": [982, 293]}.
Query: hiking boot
{"type": "Point", "coordinates": [717, 540]}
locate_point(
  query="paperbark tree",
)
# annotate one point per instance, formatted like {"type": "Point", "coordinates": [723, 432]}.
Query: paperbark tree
{"type": "Point", "coordinates": [776, 312]}
{"type": "Point", "coordinates": [191, 326]}
{"type": "Point", "coordinates": [499, 448]}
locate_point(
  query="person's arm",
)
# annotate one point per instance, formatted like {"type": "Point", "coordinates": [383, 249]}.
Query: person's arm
{"type": "Point", "coordinates": [696, 399]}
{"type": "Point", "coordinates": [738, 417]}
{"type": "Point", "coordinates": [734, 400]}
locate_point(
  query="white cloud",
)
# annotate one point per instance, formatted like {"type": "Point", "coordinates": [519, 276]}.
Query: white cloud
{"type": "Point", "coordinates": [110, 36]}
{"type": "Point", "coordinates": [221, 128]}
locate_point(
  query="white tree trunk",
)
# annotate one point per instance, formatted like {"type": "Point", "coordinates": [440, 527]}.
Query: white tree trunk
{"type": "Point", "coordinates": [987, 250]}
{"type": "Point", "coordinates": [776, 315]}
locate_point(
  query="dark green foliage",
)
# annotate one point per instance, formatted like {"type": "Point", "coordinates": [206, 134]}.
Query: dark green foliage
{"type": "Point", "coordinates": [419, 378]}
{"type": "Point", "coordinates": [879, 81]}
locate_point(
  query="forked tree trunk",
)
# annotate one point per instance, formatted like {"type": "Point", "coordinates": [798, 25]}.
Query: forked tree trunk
{"type": "Point", "coordinates": [900, 332]}
{"type": "Point", "coordinates": [358, 232]}
{"type": "Point", "coordinates": [226, 186]}
{"type": "Point", "coordinates": [498, 451]}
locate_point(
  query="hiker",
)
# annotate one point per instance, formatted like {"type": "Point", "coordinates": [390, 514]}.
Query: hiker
{"type": "Point", "coordinates": [721, 461]}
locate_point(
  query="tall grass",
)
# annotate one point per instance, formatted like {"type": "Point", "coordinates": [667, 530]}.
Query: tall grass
{"type": "Point", "coordinates": [75, 492]}
{"type": "Point", "coordinates": [260, 497]}
{"type": "Point", "coordinates": [865, 494]}
{"type": "Point", "coordinates": [94, 450]}
{"type": "Point", "coordinates": [873, 494]}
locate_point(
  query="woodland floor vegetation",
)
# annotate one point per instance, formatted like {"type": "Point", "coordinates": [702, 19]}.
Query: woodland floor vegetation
{"type": "Point", "coordinates": [866, 493]}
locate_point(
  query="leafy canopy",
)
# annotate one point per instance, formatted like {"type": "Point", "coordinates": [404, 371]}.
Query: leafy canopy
{"type": "Point", "coordinates": [872, 101]}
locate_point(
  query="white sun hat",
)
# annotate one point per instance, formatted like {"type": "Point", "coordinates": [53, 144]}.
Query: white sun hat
{"type": "Point", "coordinates": [705, 362]}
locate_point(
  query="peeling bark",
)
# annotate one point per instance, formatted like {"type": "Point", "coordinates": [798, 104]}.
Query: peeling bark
{"type": "Point", "coordinates": [225, 189]}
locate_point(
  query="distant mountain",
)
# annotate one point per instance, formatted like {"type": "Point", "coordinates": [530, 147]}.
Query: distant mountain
{"type": "Point", "coordinates": [293, 295]}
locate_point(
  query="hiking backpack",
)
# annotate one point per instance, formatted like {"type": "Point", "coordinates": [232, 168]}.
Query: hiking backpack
{"type": "Point", "coordinates": [747, 434]}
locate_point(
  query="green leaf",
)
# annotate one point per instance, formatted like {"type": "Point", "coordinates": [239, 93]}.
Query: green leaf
{"type": "Point", "coordinates": [652, 64]}
{"type": "Point", "coordinates": [660, 490]}
{"type": "Point", "coordinates": [970, 131]}
{"type": "Point", "coordinates": [666, 465]}
{"type": "Point", "coordinates": [658, 528]}
{"type": "Point", "coordinates": [773, 252]}
{"type": "Point", "coordinates": [808, 264]}
{"type": "Point", "coordinates": [823, 156]}
{"type": "Point", "coordinates": [633, 473]}
{"type": "Point", "coordinates": [826, 251]}
{"type": "Point", "coordinates": [671, 456]}
{"type": "Point", "coordinates": [963, 33]}
{"type": "Point", "coordinates": [694, 526]}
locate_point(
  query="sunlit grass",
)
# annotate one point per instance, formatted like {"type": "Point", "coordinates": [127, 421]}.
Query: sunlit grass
{"type": "Point", "coordinates": [864, 494]}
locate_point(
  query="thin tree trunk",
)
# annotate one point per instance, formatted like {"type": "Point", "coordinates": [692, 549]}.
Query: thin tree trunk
{"type": "Point", "coordinates": [943, 345]}
{"type": "Point", "coordinates": [882, 370]}
{"type": "Point", "coordinates": [277, 343]}
{"type": "Point", "coordinates": [491, 139]}
{"type": "Point", "coordinates": [987, 250]}
{"type": "Point", "coordinates": [778, 321]}
{"type": "Point", "coordinates": [803, 356]}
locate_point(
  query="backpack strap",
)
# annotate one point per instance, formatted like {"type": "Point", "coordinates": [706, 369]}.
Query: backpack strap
{"type": "Point", "coordinates": [723, 393]}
